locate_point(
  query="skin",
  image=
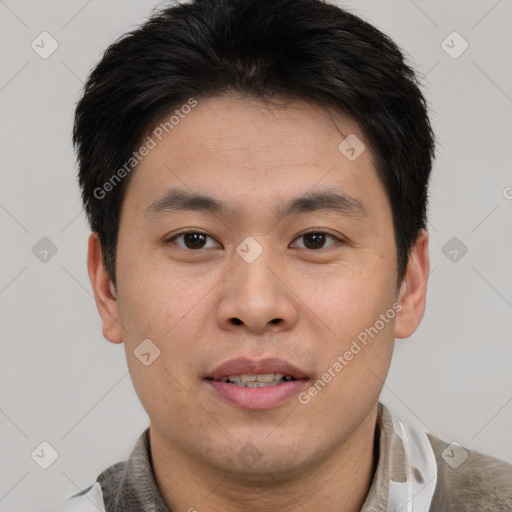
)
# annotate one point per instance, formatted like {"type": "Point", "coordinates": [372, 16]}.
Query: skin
{"type": "Point", "coordinates": [317, 456]}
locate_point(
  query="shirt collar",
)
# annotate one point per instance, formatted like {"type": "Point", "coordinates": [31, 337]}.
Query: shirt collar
{"type": "Point", "coordinates": [390, 463]}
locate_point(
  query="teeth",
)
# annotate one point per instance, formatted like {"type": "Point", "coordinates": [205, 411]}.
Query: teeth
{"type": "Point", "coordinates": [258, 384]}
{"type": "Point", "coordinates": [268, 377]}
{"type": "Point", "coordinates": [257, 381]}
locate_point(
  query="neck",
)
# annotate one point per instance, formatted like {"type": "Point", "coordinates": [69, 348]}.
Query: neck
{"type": "Point", "coordinates": [339, 481]}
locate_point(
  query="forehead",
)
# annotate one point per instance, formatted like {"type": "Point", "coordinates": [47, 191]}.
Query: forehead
{"type": "Point", "coordinates": [249, 152]}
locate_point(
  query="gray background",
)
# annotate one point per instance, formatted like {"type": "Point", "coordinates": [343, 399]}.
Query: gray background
{"type": "Point", "coordinates": [61, 382]}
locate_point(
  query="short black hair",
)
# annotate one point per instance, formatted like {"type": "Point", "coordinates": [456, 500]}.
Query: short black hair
{"type": "Point", "coordinates": [298, 49]}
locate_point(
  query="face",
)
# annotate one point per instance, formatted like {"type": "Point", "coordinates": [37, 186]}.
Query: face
{"type": "Point", "coordinates": [287, 266]}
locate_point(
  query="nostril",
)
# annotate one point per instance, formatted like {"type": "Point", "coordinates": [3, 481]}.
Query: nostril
{"type": "Point", "coordinates": [236, 321]}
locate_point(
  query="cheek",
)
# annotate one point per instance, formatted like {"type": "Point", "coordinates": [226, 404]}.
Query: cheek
{"type": "Point", "coordinates": [162, 391]}
{"type": "Point", "coordinates": [160, 309]}
{"type": "Point", "coordinates": [351, 306]}
{"type": "Point", "coordinates": [350, 298]}
{"type": "Point", "coordinates": [156, 297]}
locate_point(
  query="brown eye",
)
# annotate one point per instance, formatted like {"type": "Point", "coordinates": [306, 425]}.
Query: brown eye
{"type": "Point", "coordinates": [192, 240]}
{"type": "Point", "coordinates": [316, 240]}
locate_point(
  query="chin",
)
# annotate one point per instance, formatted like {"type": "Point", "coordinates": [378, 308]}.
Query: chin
{"type": "Point", "coordinates": [263, 462]}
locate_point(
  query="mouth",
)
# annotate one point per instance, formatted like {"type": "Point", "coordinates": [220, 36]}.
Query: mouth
{"type": "Point", "coordinates": [257, 381]}
{"type": "Point", "coordinates": [250, 384]}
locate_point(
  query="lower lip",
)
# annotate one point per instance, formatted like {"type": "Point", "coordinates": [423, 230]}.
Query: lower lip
{"type": "Point", "coordinates": [258, 398]}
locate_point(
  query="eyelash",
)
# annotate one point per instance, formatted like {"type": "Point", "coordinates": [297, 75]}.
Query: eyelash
{"type": "Point", "coordinates": [312, 231]}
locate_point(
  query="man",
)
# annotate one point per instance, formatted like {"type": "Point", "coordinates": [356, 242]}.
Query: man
{"type": "Point", "coordinates": [255, 174]}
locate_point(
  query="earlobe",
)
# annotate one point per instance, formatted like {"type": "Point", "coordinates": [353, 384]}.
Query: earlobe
{"type": "Point", "coordinates": [104, 291]}
{"type": "Point", "coordinates": [413, 290]}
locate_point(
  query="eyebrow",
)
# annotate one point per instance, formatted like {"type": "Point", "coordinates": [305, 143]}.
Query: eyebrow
{"type": "Point", "coordinates": [327, 200]}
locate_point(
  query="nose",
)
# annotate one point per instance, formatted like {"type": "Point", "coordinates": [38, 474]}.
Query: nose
{"type": "Point", "coordinates": [256, 296]}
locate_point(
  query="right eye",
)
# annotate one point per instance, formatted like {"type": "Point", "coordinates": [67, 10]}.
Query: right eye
{"type": "Point", "coordinates": [191, 240]}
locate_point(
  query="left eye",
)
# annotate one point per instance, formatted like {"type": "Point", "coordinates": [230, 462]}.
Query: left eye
{"type": "Point", "coordinates": [193, 240]}
{"type": "Point", "coordinates": [316, 240]}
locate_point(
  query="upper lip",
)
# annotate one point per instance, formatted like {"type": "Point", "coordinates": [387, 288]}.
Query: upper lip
{"type": "Point", "coordinates": [245, 366]}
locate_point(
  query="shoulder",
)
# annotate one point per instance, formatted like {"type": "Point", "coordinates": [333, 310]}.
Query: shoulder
{"type": "Point", "coordinates": [468, 480]}
{"type": "Point", "coordinates": [93, 498]}
{"type": "Point", "coordinates": [88, 500]}
{"type": "Point", "coordinates": [126, 484]}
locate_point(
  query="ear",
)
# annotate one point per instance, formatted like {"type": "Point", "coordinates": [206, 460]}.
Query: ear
{"type": "Point", "coordinates": [413, 290]}
{"type": "Point", "coordinates": [104, 292]}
